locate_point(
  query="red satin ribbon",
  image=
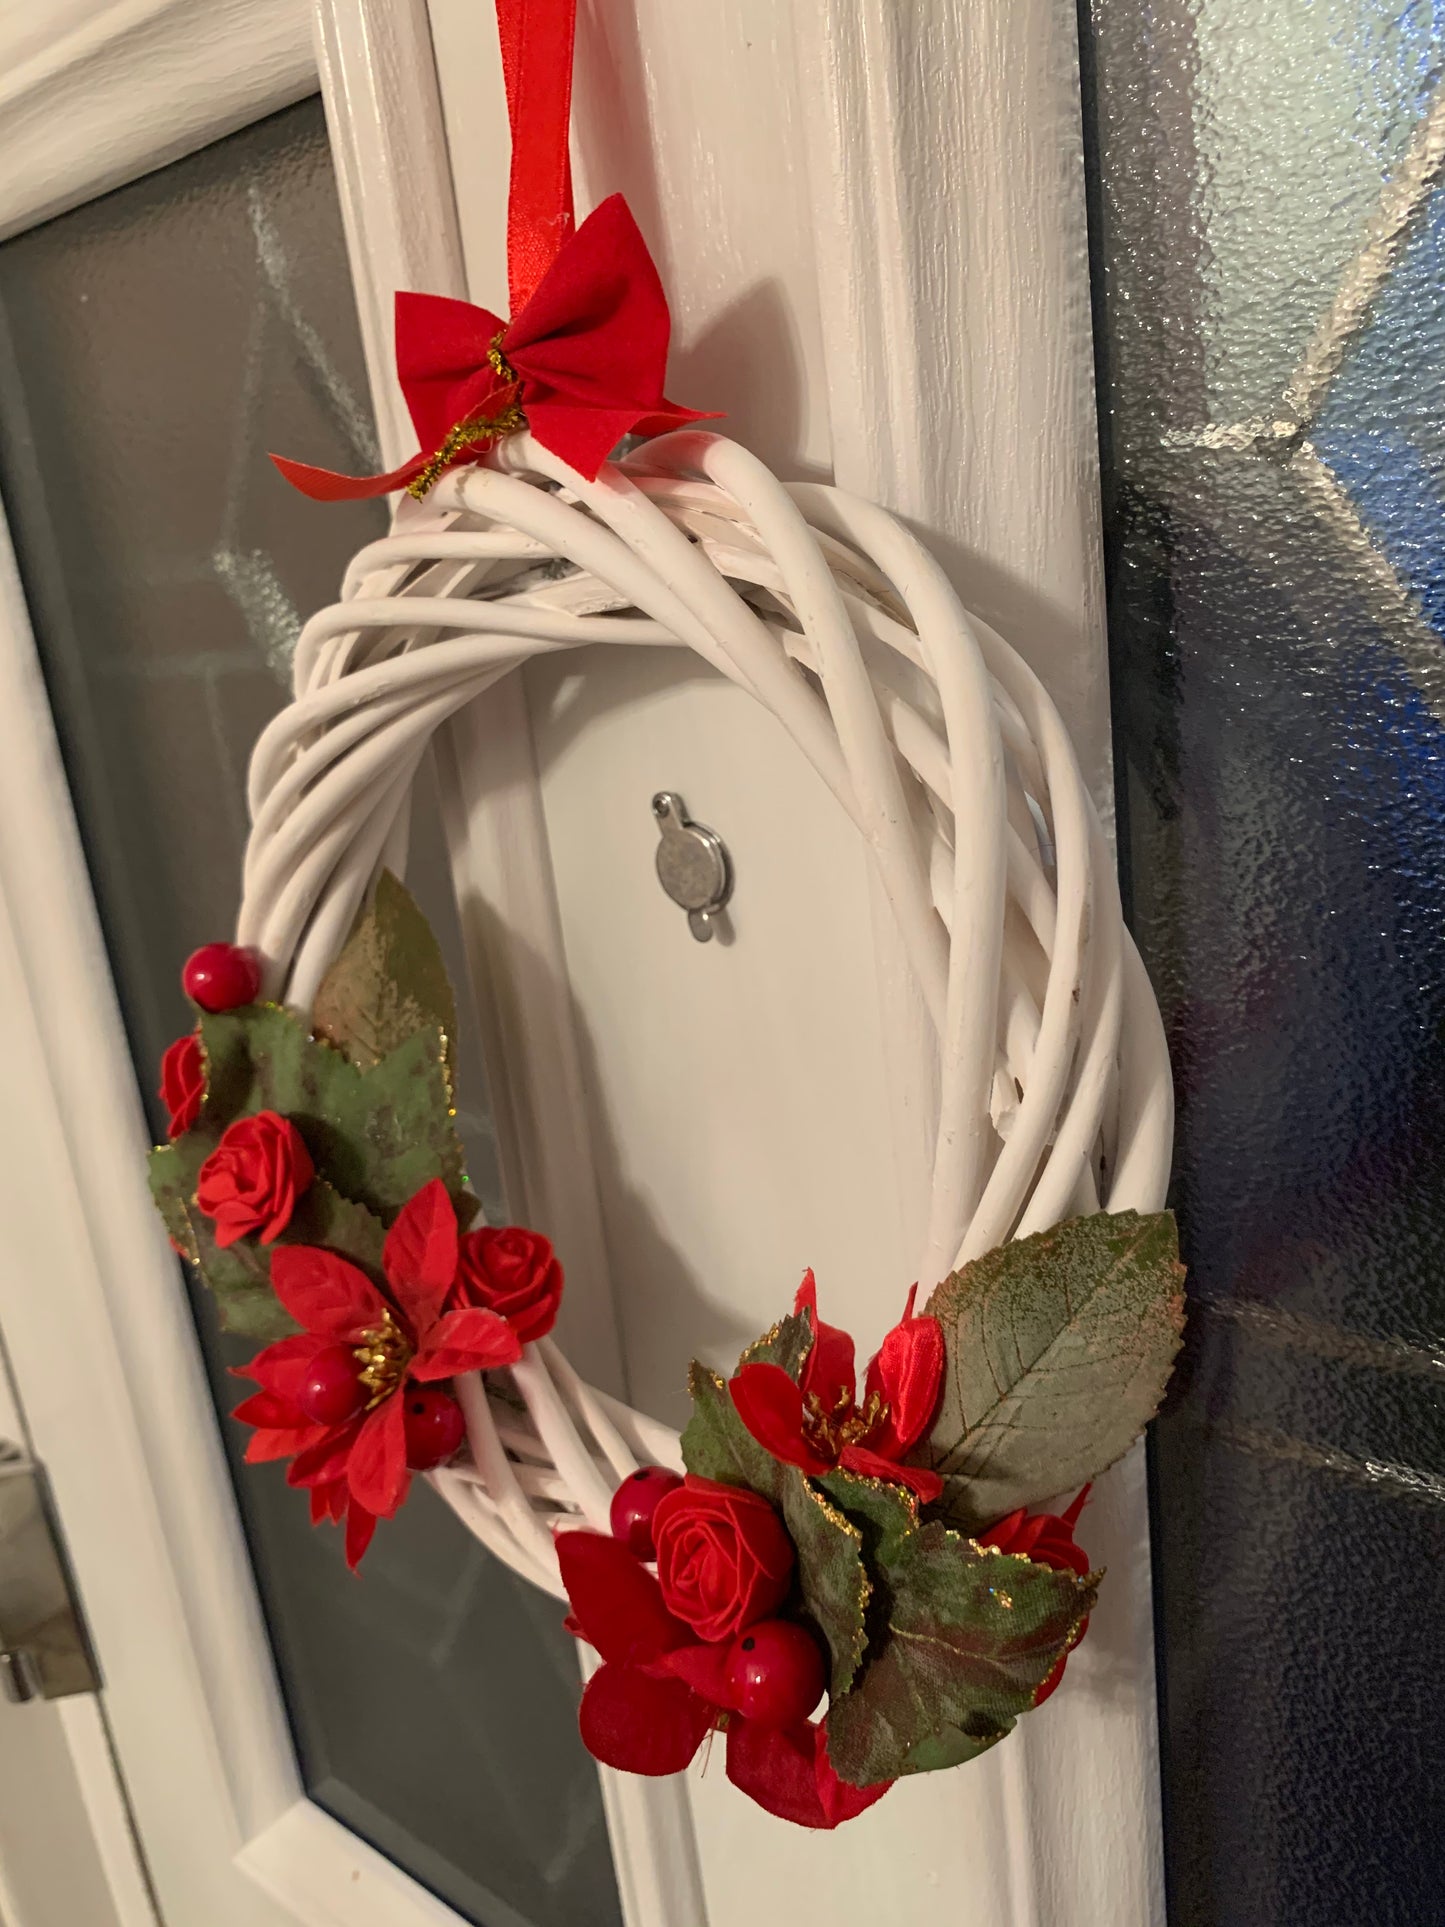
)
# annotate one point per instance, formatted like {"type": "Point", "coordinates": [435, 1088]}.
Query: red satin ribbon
{"type": "Point", "coordinates": [537, 39]}
{"type": "Point", "coordinates": [582, 361]}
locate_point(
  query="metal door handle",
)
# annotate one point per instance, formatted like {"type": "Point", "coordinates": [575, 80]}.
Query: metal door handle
{"type": "Point", "coordinates": [44, 1651]}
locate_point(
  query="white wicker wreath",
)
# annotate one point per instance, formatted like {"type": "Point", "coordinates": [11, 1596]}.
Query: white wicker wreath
{"type": "Point", "coordinates": [935, 737]}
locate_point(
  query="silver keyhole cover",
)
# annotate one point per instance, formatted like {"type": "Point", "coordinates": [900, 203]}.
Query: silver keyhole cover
{"type": "Point", "coordinates": [692, 864]}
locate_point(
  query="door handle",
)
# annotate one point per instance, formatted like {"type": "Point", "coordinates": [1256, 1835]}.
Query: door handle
{"type": "Point", "coordinates": [44, 1651]}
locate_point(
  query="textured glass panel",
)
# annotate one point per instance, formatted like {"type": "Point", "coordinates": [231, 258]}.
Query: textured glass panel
{"type": "Point", "coordinates": [1268, 225]}
{"type": "Point", "coordinates": [153, 346]}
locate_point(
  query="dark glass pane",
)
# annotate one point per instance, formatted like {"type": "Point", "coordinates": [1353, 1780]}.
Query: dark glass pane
{"type": "Point", "coordinates": [1268, 232]}
{"type": "Point", "coordinates": [153, 346]}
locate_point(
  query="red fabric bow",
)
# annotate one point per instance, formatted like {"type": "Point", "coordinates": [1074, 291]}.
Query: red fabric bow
{"type": "Point", "coordinates": [661, 1690]}
{"type": "Point", "coordinates": [581, 365]}
{"type": "Point", "coordinates": [816, 1423]}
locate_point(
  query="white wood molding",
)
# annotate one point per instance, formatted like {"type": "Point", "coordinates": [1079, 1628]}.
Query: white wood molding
{"type": "Point", "coordinates": [101, 1340]}
{"type": "Point", "coordinates": [946, 177]}
{"type": "Point", "coordinates": [379, 85]}
{"type": "Point", "coordinates": [151, 1523]}
{"type": "Point", "coordinates": [932, 270]}
{"type": "Point", "coordinates": [944, 148]}
{"type": "Point", "coordinates": [398, 205]}
{"type": "Point", "coordinates": [883, 209]}
{"type": "Point", "coordinates": [93, 95]}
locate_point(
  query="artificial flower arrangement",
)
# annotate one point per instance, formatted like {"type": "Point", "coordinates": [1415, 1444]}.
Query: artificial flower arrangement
{"type": "Point", "coordinates": [886, 1546]}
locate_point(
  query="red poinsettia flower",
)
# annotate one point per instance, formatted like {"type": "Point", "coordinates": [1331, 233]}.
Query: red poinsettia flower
{"type": "Point", "coordinates": [1048, 1539]}
{"type": "Point", "coordinates": [335, 1398]}
{"type": "Point", "coordinates": [661, 1690]}
{"type": "Point", "coordinates": [817, 1422]}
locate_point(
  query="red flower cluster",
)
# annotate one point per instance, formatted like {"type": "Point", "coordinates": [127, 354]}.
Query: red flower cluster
{"type": "Point", "coordinates": [352, 1399]}
{"type": "Point", "coordinates": [1048, 1539]}
{"type": "Point", "coordinates": [817, 1424]}
{"type": "Point", "coordinates": [724, 1562]}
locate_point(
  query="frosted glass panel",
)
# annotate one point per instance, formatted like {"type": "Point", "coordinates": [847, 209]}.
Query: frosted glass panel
{"type": "Point", "coordinates": [153, 346]}
{"type": "Point", "coordinates": [1269, 223]}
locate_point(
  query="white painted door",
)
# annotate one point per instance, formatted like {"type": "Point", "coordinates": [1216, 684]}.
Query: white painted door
{"type": "Point", "coordinates": [870, 220]}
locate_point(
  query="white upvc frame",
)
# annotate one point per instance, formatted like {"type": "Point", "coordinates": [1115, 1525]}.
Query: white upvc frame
{"type": "Point", "coordinates": [190, 1697]}
{"type": "Point", "coordinates": [1000, 270]}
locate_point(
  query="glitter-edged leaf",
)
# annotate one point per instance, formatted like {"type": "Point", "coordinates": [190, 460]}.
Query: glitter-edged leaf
{"type": "Point", "coordinates": [963, 1639]}
{"type": "Point", "coordinates": [832, 1583]}
{"type": "Point", "coordinates": [832, 1579]}
{"type": "Point", "coordinates": [717, 1445]}
{"type": "Point", "coordinates": [1059, 1349]}
{"type": "Point", "coordinates": [787, 1344]}
{"type": "Point", "coordinates": [377, 1135]}
{"type": "Point", "coordinates": [883, 1512]}
{"type": "Point", "coordinates": [388, 983]}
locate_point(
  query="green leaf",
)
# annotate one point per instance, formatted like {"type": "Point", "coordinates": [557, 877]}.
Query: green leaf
{"type": "Point", "coordinates": [323, 1217]}
{"type": "Point", "coordinates": [787, 1344]}
{"type": "Point", "coordinates": [378, 1135]}
{"type": "Point", "coordinates": [833, 1586]}
{"type": "Point", "coordinates": [885, 1513]}
{"type": "Point", "coordinates": [388, 983]}
{"type": "Point", "coordinates": [1059, 1349]}
{"type": "Point", "coordinates": [950, 1746]}
{"type": "Point", "coordinates": [969, 1635]}
{"type": "Point", "coordinates": [717, 1445]}
{"type": "Point", "coordinates": [832, 1579]}
{"type": "Point", "coordinates": [166, 1170]}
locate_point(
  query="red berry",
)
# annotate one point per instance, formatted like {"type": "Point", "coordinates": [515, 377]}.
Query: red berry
{"type": "Point", "coordinates": [434, 1426]}
{"type": "Point", "coordinates": [221, 976]}
{"type": "Point", "coordinates": [332, 1392]}
{"type": "Point", "coordinates": [775, 1673]}
{"type": "Point", "coordinates": [633, 1504]}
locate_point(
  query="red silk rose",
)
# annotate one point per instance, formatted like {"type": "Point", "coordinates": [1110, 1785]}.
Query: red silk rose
{"type": "Point", "coordinates": [816, 1423]}
{"type": "Point", "coordinates": [724, 1558]}
{"type": "Point", "coordinates": [1048, 1539]}
{"type": "Point", "coordinates": [660, 1691]}
{"type": "Point", "coordinates": [514, 1273]}
{"type": "Point", "coordinates": [252, 1179]}
{"type": "Point", "coordinates": [357, 1469]}
{"type": "Point", "coordinates": [183, 1083]}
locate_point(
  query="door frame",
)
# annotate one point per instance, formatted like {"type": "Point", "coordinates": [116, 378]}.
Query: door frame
{"type": "Point", "coordinates": [88, 1302]}
{"type": "Point", "coordinates": [1070, 1816]}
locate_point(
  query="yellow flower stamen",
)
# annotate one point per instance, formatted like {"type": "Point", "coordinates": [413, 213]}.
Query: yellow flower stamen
{"type": "Point", "coordinates": [383, 1356]}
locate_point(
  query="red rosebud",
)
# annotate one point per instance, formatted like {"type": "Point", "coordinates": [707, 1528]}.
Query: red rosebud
{"type": "Point", "coordinates": [818, 1421]}
{"type": "Point", "coordinates": [1048, 1539]}
{"type": "Point", "coordinates": [724, 1558]}
{"type": "Point", "coordinates": [252, 1179]}
{"type": "Point", "coordinates": [513, 1272]}
{"type": "Point", "coordinates": [183, 1083]}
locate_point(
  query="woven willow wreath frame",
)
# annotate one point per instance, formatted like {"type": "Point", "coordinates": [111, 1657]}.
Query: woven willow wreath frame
{"type": "Point", "coordinates": [1053, 1095]}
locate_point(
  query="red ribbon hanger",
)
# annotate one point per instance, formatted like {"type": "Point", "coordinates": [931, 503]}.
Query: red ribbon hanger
{"type": "Point", "coordinates": [581, 363]}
